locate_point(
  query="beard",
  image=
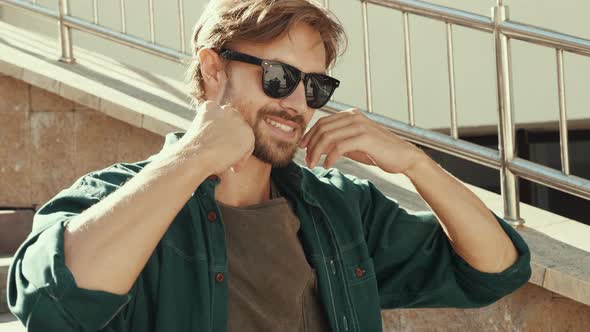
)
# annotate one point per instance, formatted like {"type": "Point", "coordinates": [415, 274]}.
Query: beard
{"type": "Point", "coordinates": [268, 149]}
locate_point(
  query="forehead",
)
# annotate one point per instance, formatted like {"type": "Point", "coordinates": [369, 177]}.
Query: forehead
{"type": "Point", "coordinates": [301, 47]}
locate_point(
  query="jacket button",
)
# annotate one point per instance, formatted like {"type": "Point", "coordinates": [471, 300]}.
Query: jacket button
{"type": "Point", "coordinates": [212, 216]}
{"type": "Point", "coordinates": [359, 272]}
{"type": "Point", "coordinates": [219, 277]}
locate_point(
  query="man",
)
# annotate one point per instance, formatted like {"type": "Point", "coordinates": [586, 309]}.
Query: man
{"type": "Point", "coordinates": [222, 231]}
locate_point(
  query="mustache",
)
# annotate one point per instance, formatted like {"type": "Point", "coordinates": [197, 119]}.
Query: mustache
{"type": "Point", "coordinates": [283, 115]}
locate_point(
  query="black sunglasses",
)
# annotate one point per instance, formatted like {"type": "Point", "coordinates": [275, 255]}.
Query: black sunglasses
{"type": "Point", "coordinates": [279, 79]}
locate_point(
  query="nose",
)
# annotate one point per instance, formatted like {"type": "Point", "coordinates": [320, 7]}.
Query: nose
{"type": "Point", "coordinates": [296, 101]}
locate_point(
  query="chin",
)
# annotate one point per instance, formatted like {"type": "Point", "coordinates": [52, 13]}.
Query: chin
{"type": "Point", "coordinates": [277, 154]}
{"type": "Point", "coordinates": [272, 150]}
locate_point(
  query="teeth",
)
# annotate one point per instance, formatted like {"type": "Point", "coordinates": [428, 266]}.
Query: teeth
{"type": "Point", "coordinates": [281, 126]}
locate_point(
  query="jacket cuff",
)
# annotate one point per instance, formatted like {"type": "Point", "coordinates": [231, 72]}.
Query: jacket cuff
{"type": "Point", "coordinates": [44, 266]}
{"type": "Point", "coordinates": [500, 283]}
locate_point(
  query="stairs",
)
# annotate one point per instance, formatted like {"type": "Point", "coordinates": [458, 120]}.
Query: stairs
{"type": "Point", "coordinates": [4, 263]}
{"type": "Point", "coordinates": [15, 225]}
{"type": "Point", "coordinates": [8, 323]}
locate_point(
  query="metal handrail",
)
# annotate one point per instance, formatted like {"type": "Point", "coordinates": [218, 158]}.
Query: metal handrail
{"type": "Point", "coordinates": [546, 37]}
{"type": "Point", "coordinates": [32, 7]}
{"type": "Point", "coordinates": [432, 139]}
{"type": "Point", "coordinates": [131, 41]}
{"type": "Point", "coordinates": [505, 159]}
{"type": "Point", "coordinates": [71, 22]}
{"type": "Point", "coordinates": [503, 30]}
{"type": "Point", "coordinates": [439, 13]}
{"type": "Point", "coordinates": [478, 154]}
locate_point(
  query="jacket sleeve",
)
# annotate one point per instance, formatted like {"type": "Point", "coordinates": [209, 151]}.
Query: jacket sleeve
{"type": "Point", "coordinates": [41, 290]}
{"type": "Point", "coordinates": [416, 266]}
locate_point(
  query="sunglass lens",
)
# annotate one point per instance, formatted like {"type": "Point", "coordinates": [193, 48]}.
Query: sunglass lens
{"type": "Point", "coordinates": [279, 80]}
{"type": "Point", "coordinates": [318, 90]}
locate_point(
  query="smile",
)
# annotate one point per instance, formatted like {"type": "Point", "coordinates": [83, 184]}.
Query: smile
{"type": "Point", "coordinates": [280, 126]}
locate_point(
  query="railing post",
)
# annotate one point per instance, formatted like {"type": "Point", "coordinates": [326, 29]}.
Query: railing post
{"type": "Point", "coordinates": [506, 128]}
{"type": "Point", "coordinates": [152, 27]}
{"type": "Point", "coordinates": [563, 141]}
{"type": "Point", "coordinates": [181, 26]}
{"type": "Point", "coordinates": [65, 34]}
{"type": "Point", "coordinates": [330, 70]}
{"type": "Point", "coordinates": [366, 47]}
{"type": "Point", "coordinates": [123, 17]}
{"type": "Point", "coordinates": [451, 70]}
{"type": "Point", "coordinates": [408, 66]}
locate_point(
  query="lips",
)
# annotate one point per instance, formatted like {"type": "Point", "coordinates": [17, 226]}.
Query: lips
{"type": "Point", "coordinates": [279, 133]}
{"type": "Point", "coordinates": [280, 126]}
{"type": "Point", "coordinates": [282, 121]}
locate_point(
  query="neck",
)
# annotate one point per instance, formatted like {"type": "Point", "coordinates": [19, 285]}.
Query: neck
{"type": "Point", "coordinates": [248, 187]}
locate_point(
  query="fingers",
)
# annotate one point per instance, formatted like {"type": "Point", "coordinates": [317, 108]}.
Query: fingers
{"type": "Point", "coordinates": [328, 141]}
{"type": "Point", "coordinates": [321, 122]}
{"type": "Point", "coordinates": [343, 147]}
{"type": "Point", "coordinates": [322, 130]}
{"type": "Point", "coordinates": [352, 115]}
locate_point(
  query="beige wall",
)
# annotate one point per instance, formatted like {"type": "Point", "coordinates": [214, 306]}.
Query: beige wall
{"type": "Point", "coordinates": [48, 142]}
{"type": "Point", "coordinates": [534, 67]}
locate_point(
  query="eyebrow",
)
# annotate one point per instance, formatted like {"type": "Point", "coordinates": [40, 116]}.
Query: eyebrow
{"type": "Point", "coordinates": [324, 72]}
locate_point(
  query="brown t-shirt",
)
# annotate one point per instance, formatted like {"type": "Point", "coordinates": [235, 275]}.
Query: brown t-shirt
{"type": "Point", "coordinates": [271, 285]}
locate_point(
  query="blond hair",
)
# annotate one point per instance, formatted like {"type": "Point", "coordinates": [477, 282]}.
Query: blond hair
{"type": "Point", "coordinates": [226, 21]}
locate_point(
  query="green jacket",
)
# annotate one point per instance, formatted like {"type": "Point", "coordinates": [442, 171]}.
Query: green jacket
{"type": "Point", "coordinates": [369, 253]}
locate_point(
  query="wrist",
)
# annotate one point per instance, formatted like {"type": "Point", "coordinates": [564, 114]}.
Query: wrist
{"type": "Point", "coordinates": [191, 160]}
{"type": "Point", "coordinates": [422, 165]}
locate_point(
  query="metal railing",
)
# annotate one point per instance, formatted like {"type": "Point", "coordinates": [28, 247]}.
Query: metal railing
{"type": "Point", "coordinates": [66, 23]}
{"type": "Point", "coordinates": [505, 159]}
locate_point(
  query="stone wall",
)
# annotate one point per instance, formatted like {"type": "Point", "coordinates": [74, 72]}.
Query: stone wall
{"type": "Point", "coordinates": [529, 309]}
{"type": "Point", "coordinates": [47, 142]}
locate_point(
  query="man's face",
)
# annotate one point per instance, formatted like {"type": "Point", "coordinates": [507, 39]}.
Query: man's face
{"type": "Point", "coordinates": [272, 119]}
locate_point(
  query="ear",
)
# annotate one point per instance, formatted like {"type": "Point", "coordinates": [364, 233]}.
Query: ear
{"type": "Point", "coordinates": [211, 66]}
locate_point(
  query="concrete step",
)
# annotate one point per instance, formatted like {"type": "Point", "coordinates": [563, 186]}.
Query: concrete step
{"type": "Point", "coordinates": [15, 226]}
{"type": "Point", "coordinates": [9, 323]}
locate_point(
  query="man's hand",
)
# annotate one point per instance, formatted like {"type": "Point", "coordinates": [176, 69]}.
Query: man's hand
{"type": "Point", "coordinates": [351, 134]}
{"type": "Point", "coordinates": [220, 132]}
{"type": "Point", "coordinates": [471, 228]}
